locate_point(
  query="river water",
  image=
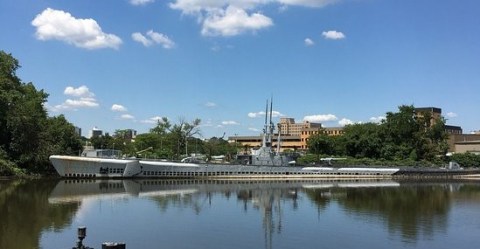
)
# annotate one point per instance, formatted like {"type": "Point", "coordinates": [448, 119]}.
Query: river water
{"type": "Point", "coordinates": [201, 214]}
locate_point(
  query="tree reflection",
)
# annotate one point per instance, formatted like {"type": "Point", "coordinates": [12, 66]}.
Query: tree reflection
{"type": "Point", "coordinates": [25, 213]}
{"type": "Point", "coordinates": [411, 210]}
{"type": "Point", "coordinates": [192, 201]}
{"type": "Point", "coordinates": [268, 198]}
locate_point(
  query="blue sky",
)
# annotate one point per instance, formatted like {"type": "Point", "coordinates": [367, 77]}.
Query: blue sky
{"type": "Point", "coordinates": [120, 64]}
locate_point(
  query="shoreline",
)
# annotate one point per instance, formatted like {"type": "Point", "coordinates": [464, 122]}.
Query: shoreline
{"type": "Point", "coordinates": [402, 174]}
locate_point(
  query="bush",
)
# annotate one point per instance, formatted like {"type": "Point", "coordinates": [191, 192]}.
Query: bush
{"type": "Point", "coordinates": [467, 160]}
{"type": "Point", "coordinates": [8, 168]}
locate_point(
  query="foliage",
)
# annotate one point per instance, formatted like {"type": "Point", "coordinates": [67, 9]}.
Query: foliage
{"type": "Point", "coordinates": [321, 144]}
{"type": "Point", "coordinates": [467, 159]}
{"type": "Point", "coordinates": [27, 135]}
{"type": "Point", "coordinates": [218, 146]}
{"type": "Point", "coordinates": [169, 141]}
{"type": "Point", "coordinates": [362, 140]}
{"type": "Point", "coordinates": [402, 137]}
{"type": "Point", "coordinates": [309, 159]}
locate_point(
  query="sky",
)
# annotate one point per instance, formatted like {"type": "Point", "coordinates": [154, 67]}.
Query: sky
{"type": "Point", "coordinates": [123, 64]}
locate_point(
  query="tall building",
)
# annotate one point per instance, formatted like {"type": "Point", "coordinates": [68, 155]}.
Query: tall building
{"type": "Point", "coordinates": [289, 127]}
{"type": "Point", "coordinates": [308, 132]}
{"type": "Point", "coordinates": [436, 114]}
{"type": "Point", "coordinates": [130, 134]}
{"type": "Point", "coordinates": [95, 132]}
{"type": "Point", "coordinates": [293, 135]}
{"type": "Point", "coordinates": [78, 131]}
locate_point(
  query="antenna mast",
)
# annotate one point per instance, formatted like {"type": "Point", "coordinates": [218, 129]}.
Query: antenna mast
{"type": "Point", "coordinates": [265, 129]}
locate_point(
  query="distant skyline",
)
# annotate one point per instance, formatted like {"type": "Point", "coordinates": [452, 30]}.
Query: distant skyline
{"type": "Point", "coordinates": [123, 64]}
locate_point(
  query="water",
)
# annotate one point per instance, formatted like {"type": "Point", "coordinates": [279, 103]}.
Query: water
{"type": "Point", "coordinates": [240, 214]}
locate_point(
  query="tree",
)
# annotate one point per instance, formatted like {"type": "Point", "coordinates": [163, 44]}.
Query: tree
{"type": "Point", "coordinates": [61, 136]}
{"type": "Point", "coordinates": [408, 135]}
{"type": "Point", "coordinates": [163, 126]}
{"type": "Point", "coordinates": [22, 116]}
{"type": "Point", "coordinates": [27, 135]}
{"type": "Point", "coordinates": [219, 146]}
{"type": "Point", "coordinates": [321, 144]}
{"type": "Point", "coordinates": [362, 140]}
{"type": "Point", "coordinates": [182, 131]}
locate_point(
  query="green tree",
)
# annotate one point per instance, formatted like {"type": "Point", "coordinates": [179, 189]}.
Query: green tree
{"type": "Point", "coordinates": [27, 135]}
{"type": "Point", "coordinates": [22, 116]}
{"type": "Point", "coordinates": [362, 140]}
{"type": "Point", "coordinates": [182, 132]}
{"type": "Point", "coordinates": [61, 138]}
{"type": "Point", "coordinates": [321, 144]}
{"type": "Point", "coordinates": [219, 146]}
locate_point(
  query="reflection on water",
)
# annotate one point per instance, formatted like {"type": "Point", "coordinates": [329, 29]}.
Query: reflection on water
{"type": "Point", "coordinates": [25, 212]}
{"type": "Point", "coordinates": [239, 214]}
{"type": "Point", "coordinates": [409, 210]}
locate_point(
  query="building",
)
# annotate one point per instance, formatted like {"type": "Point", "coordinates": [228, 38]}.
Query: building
{"type": "Point", "coordinates": [461, 143]}
{"type": "Point", "coordinates": [296, 135]}
{"type": "Point", "coordinates": [468, 146]}
{"type": "Point", "coordinates": [95, 132]}
{"type": "Point", "coordinates": [451, 129]}
{"type": "Point", "coordinates": [249, 142]}
{"type": "Point", "coordinates": [289, 127]}
{"type": "Point", "coordinates": [293, 135]}
{"type": "Point", "coordinates": [457, 141]}
{"type": "Point", "coordinates": [435, 113]}
{"type": "Point", "coordinates": [308, 132]}
{"type": "Point", "coordinates": [78, 131]}
{"type": "Point", "coordinates": [130, 134]}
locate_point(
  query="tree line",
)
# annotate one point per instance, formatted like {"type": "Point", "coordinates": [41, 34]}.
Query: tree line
{"type": "Point", "coordinates": [402, 138]}
{"type": "Point", "coordinates": [28, 136]}
{"type": "Point", "coordinates": [167, 140]}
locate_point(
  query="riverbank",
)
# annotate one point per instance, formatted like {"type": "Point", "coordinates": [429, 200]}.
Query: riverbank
{"type": "Point", "coordinates": [403, 173]}
{"type": "Point", "coordinates": [437, 173]}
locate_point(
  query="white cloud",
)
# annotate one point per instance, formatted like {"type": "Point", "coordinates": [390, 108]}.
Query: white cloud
{"type": "Point", "coordinates": [138, 37]}
{"type": "Point", "coordinates": [229, 122]}
{"type": "Point", "coordinates": [207, 123]}
{"type": "Point", "coordinates": [255, 114]}
{"type": "Point", "coordinates": [153, 39]}
{"type": "Point", "coordinates": [118, 108]}
{"type": "Point", "coordinates": [83, 99]}
{"type": "Point", "coordinates": [210, 105]}
{"type": "Point", "coordinates": [82, 102]}
{"type": "Point", "coordinates": [83, 33]}
{"type": "Point", "coordinates": [378, 119]}
{"type": "Point", "coordinates": [320, 118]}
{"type": "Point", "coordinates": [308, 3]}
{"type": "Point", "coordinates": [333, 35]}
{"type": "Point", "coordinates": [309, 42]}
{"type": "Point", "coordinates": [233, 21]}
{"type": "Point", "coordinates": [152, 120]}
{"type": "Point", "coordinates": [195, 6]}
{"type": "Point", "coordinates": [253, 129]}
{"type": "Point", "coordinates": [235, 17]}
{"type": "Point", "coordinates": [141, 2]}
{"type": "Point", "coordinates": [75, 104]}
{"type": "Point", "coordinates": [161, 39]}
{"type": "Point", "coordinates": [275, 114]}
{"type": "Point", "coordinates": [127, 116]}
{"type": "Point", "coordinates": [451, 115]}
{"type": "Point", "coordinates": [345, 121]}
{"type": "Point", "coordinates": [81, 91]}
